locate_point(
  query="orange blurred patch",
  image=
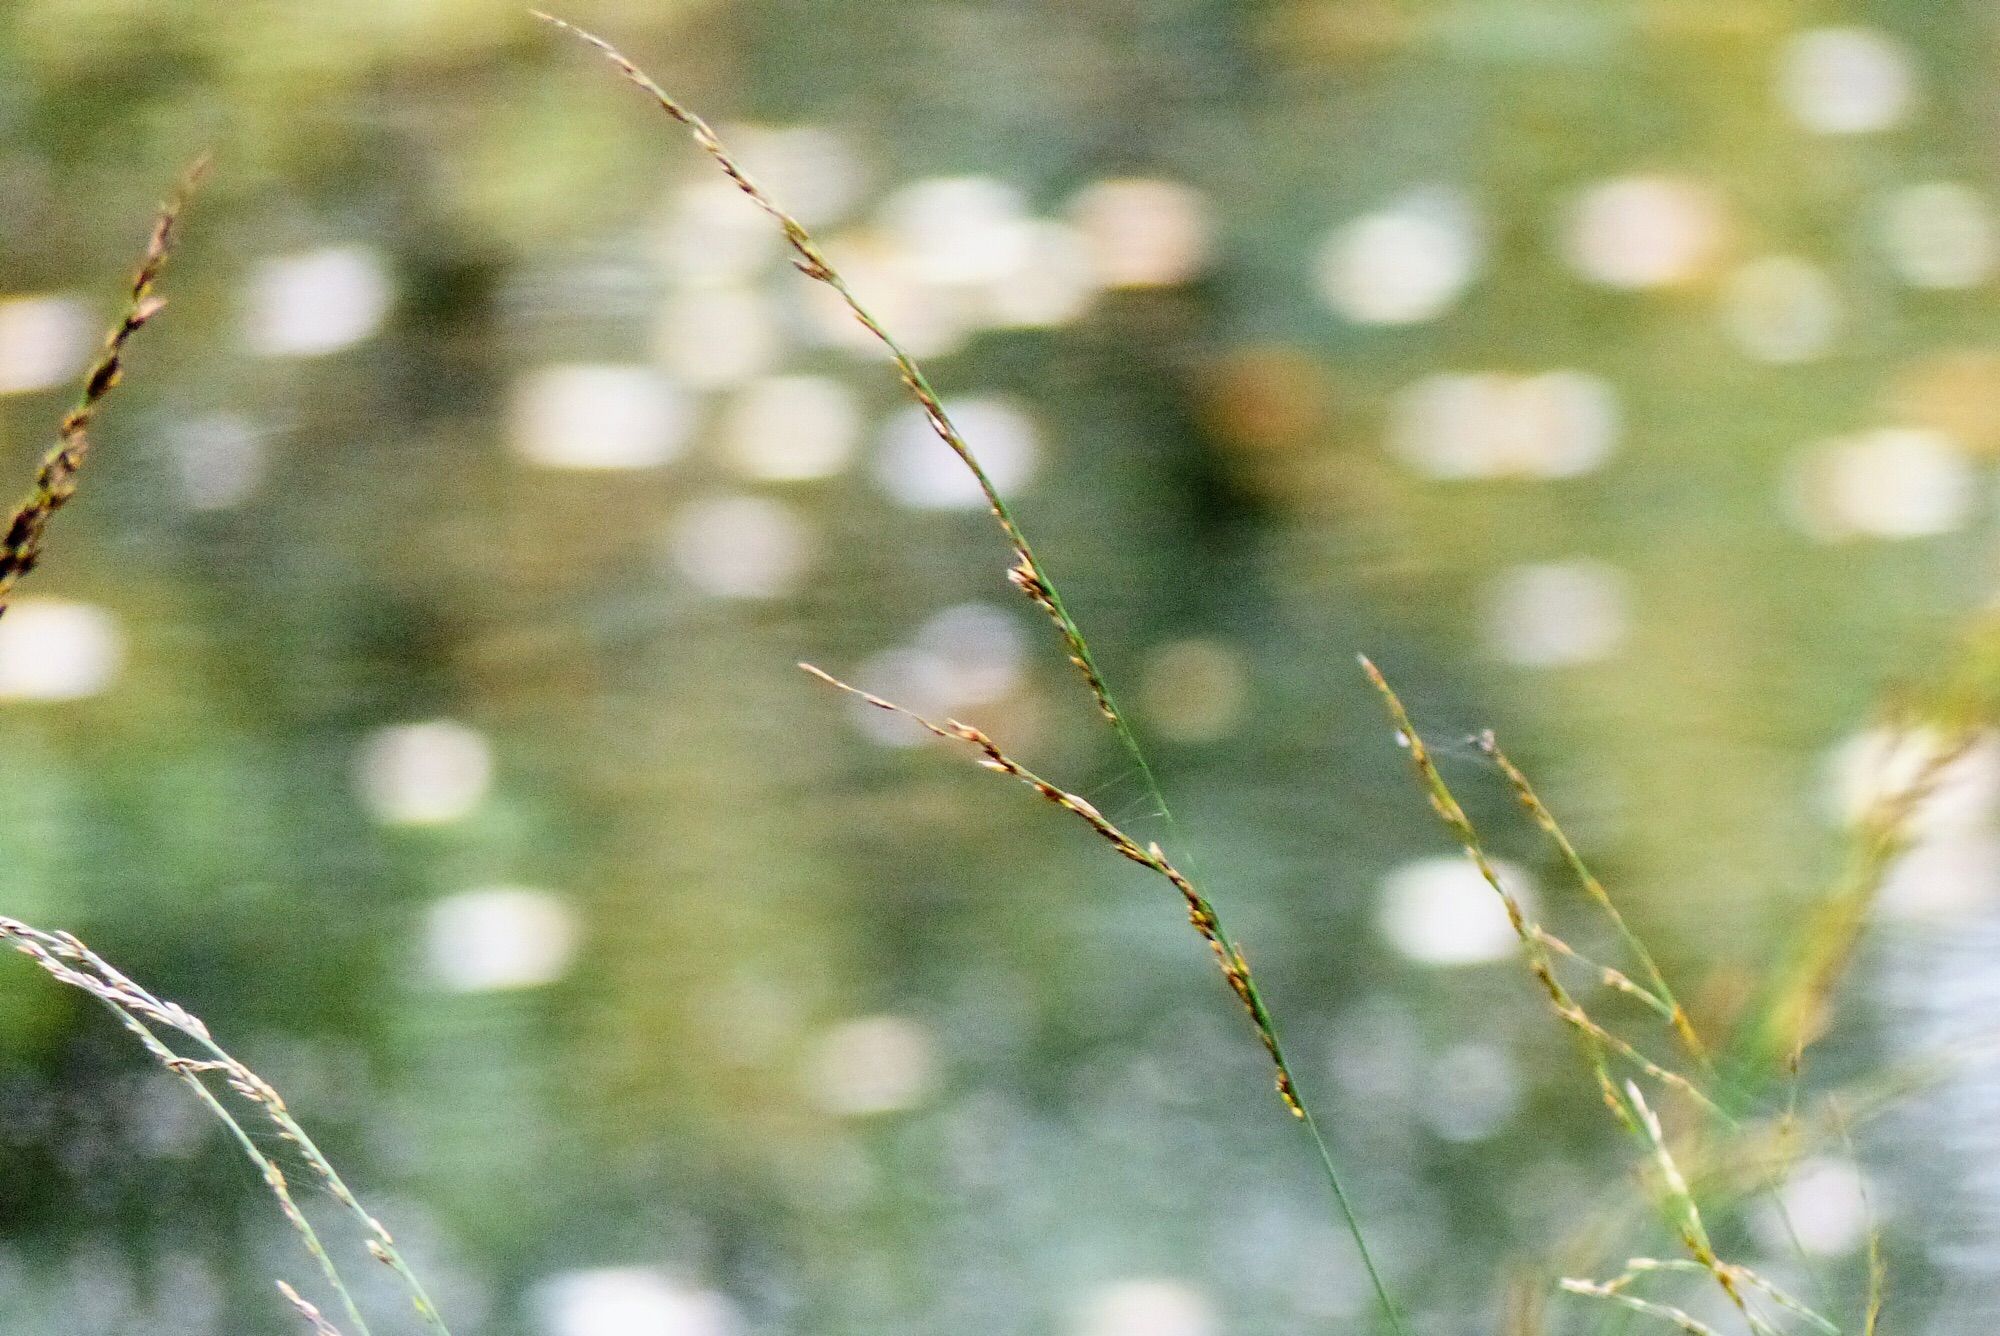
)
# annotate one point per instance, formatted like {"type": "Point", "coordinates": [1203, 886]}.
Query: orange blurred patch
{"type": "Point", "coordinates": [1267, 398]}
{"type": "Point", "coordinates": [1957, 392]}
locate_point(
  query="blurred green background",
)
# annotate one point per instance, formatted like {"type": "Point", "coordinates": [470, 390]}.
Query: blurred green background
{"type": "Point", "coordinates": [411, 691]}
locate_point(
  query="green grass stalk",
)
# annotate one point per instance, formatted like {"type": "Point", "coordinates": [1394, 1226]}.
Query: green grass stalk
{"type": "Point", "coordinates": [1031, 576]}
{"type": "Point", "coordinates": [1660, 991]}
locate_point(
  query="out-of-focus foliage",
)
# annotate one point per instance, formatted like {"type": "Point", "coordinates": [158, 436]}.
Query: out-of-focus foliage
{"type": "Point", "coordinates": [410, 693]}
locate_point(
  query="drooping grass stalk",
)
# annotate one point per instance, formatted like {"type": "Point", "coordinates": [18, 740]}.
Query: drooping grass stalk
{"type": "Point", "coordinates": [1202, 916]}
{"type": "Point", "coordinates": [55, 480]}
{"type": "Point", "coordinates": [1031, 576]}
{"type": "Point", "coordinates": [69, 961]}
{"type": "Point", "coordinates": [61, 955]}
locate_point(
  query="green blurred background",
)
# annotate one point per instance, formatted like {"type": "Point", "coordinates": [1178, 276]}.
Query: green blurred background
{"type": "Point", "coordinates": [411, 690]}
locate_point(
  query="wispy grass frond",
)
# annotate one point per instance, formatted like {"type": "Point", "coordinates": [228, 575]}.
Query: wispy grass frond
{"type": "Point", "coordinates": [1678, 1205]}
{"type": "Point", "coordinates": [1642, 1265]}
{"type": "Point", "coordinates": [55, 480]}
{"type": "Point", "coordinates": [67, 960]}
{"type": "Point", "coordinates": [1612, 1293]}
{"type": "Point", "coordinates": [1030, 575]}
{"type": "Point", "coordinates": [1674, 1197]}
{"type": "Point", "coordinates": [1608, 975]}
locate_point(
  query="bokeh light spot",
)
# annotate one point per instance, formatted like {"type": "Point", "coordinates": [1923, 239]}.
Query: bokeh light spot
{"type": "Point", "coordinates": [873, 1065]}
{"type": "Point", "coordinates": [1645, 231]}
{"type": "Point", "coordinates": [1403, 265]}
{"type": "Point", "coordinates": [424, 774]}
{"type": "Point", "coordinates": [1557, 614]}
{"type": "Point", "coordinates": [1440, 911]}
{"type": "Point", "coordinates": [792, 428]}
{"type": "Point", "coordinates": [1844, 81]}
{"type": "Point", "coordinates": [54, 650]}
{"type": "Point", "coordinates": [918, 470]}
{"type": "Point", "coordinates": [498, 938]}
{"type": "Point", "coordinates": [43, 342]}
{"type": "Point", "coordinates": [747, 547]}
{"type": "Point", "coordinates": [1144, 232]}
{"type": "Point", "coordinates": [317, 302]}
{"type": "Point", "coordinates": [583, 416]}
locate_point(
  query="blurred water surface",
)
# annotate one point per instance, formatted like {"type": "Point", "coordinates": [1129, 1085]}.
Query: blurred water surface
{"type": "Point", "coordinates": [411, 690]}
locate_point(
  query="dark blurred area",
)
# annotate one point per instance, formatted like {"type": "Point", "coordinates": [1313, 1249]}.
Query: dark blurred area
{"type": "Point", "coordinates": [410, 691]}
